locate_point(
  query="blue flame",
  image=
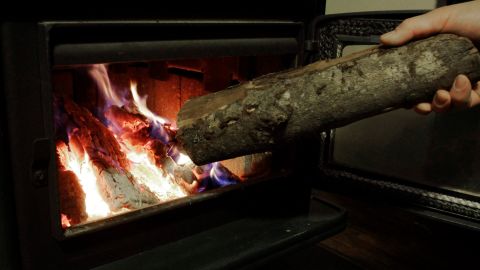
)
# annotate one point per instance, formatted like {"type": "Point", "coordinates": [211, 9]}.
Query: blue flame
{"type": "Point", "coordinates": [160, 132]}
{"type": "Point", "coordinates": [217, 176]}
{"type": "Point", "coordinates": [220, 176]}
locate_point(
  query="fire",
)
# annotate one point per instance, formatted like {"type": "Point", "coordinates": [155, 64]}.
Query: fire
{"type": "Point", "coordinates": [145, 171]}
{"type": "Point", "coordinates": [66, 222]}
{"type": "Point", "coordinates": [100, 74]}
{"type": "Point", "coordinates": [142, 163]}
{"type": "Point", "coordinates": [183, 159]}
{"type": "Point", "coordinates": [125, 157]}
{"type": "Point", "coordinates": [79, 163]}
{"type": "Point", "coordinates": [141, 103]}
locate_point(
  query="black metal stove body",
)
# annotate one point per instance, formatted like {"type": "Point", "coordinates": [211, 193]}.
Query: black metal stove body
{"type": "Point", "coordinates": [28, 189]}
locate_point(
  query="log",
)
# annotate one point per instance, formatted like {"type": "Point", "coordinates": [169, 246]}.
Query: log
{"type": "Point", "coordinates": [119, 190]}
{"type": "Point", "coordinates": [134, 128]}
{"type": "Point", "coordinates": [109, 163]}
{"type": "Point", "coordinates": [97, 140]}
{"type": "Point", "coordinates": [71, 195]}
{"type": "Point", "coordinates": [249, 166]}
{"type": "Point", "coordinates": [279, 108]}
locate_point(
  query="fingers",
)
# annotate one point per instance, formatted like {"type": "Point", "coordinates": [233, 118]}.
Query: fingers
{"type": "Point", "coordinates": [416, 27]}
{"type": "Point", "coordinates": [402, 34]}
{"type": "Point", "coordinates": [441, 101]}
{"type": "Point", "coordinates": [423, 108]}
{"type": "Point", "coordinates": [461, 96]}
{"type": "Point", "coordinates": [461, 92]}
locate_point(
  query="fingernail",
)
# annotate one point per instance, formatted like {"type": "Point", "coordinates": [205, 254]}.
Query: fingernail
{"type": "Point", "coordinates": [388, 35]}
{"type": "Point", "coordinates": [459, 83]}
{"type": "Point", "coordinates": [424, 107]}
{"type": "Point", "coordinates": [438, 101]}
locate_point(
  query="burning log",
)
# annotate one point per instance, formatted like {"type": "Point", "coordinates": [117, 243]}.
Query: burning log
{"type": "Point", "coordinates": [110, 165]}
{"type": "Point", "coordinates": [120, 191]}
{"type": "Point", "coordinates": [71, 195]}
{"type": "Point", "coordinates": [277, 108]}
{"type": "Point", "coordinates": [97, 141]}
{"type": "Point", "coordinates": [135, 129]}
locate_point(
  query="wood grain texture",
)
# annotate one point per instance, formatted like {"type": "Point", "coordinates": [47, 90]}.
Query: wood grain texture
{"type": "Point", "coordinates": [278, 108]}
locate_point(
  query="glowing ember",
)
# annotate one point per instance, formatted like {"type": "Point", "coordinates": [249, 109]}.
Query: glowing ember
{"type": "Point", "coordinates": [65, 221]}
{"type": "Point", "coordinates": [79, 163]}
{"type": "Point", "coordinates": [183, 159]}
{"type": "Point", "coordinates": [146, 172]}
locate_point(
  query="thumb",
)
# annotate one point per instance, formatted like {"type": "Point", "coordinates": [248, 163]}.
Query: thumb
{"type": "Point", "coordinates": [416, 27]}
{"type": "Point", "coordinates": [396, 37]}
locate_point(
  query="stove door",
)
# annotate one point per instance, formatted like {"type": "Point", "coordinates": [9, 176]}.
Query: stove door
{"type": "Point", "coordinates": [424, 162]}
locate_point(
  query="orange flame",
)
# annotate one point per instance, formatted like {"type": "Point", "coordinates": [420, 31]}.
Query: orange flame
{"type": "Point", "coordinates": [144, 170]}
{"type": "Point", "coordinates": [79, 162]}
{"type": "Point", "coordinates": [184, 160]}
{"type": "Point", "coordinates": [143, 167]}
{"type": "Point", "coordinates": [66, 222]}
{"type": "Point", "coordinates": [141, 103]}
{"type": "Point", "coordinates": [100, 75]}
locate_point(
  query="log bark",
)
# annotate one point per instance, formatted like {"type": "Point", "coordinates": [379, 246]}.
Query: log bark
{"type": "Point", "coordinates": [278, 108]}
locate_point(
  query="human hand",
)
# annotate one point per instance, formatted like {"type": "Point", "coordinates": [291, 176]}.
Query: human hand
{"type": "Point", "coordinates": [461, 19]}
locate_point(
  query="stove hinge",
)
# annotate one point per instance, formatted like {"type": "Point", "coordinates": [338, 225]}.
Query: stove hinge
{"type": "Point", "coordinates": [41, 161]}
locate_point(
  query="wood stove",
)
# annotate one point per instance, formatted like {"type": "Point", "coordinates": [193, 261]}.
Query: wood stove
{"type": "Point", "coordinates": [58, 77]}
{"type": "Point", "coordinates": [48, 72]}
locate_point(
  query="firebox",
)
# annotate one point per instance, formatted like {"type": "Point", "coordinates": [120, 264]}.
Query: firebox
{"type": "Point", "coordinates": [115, 134]}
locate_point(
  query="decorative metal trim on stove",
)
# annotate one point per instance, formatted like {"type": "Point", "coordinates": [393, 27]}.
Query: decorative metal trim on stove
{"type": "Point", "coordinates": [329, 34]}
{"type": "Point", "coordinates": [422, 197]}
{"type": "Point", "coordinates": [328, 37]}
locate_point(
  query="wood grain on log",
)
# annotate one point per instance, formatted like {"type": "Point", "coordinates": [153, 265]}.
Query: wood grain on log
{"type": "Point", "coordinates": [277, 108]}
{"type": "Point", "coordinates": [249, 166]}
